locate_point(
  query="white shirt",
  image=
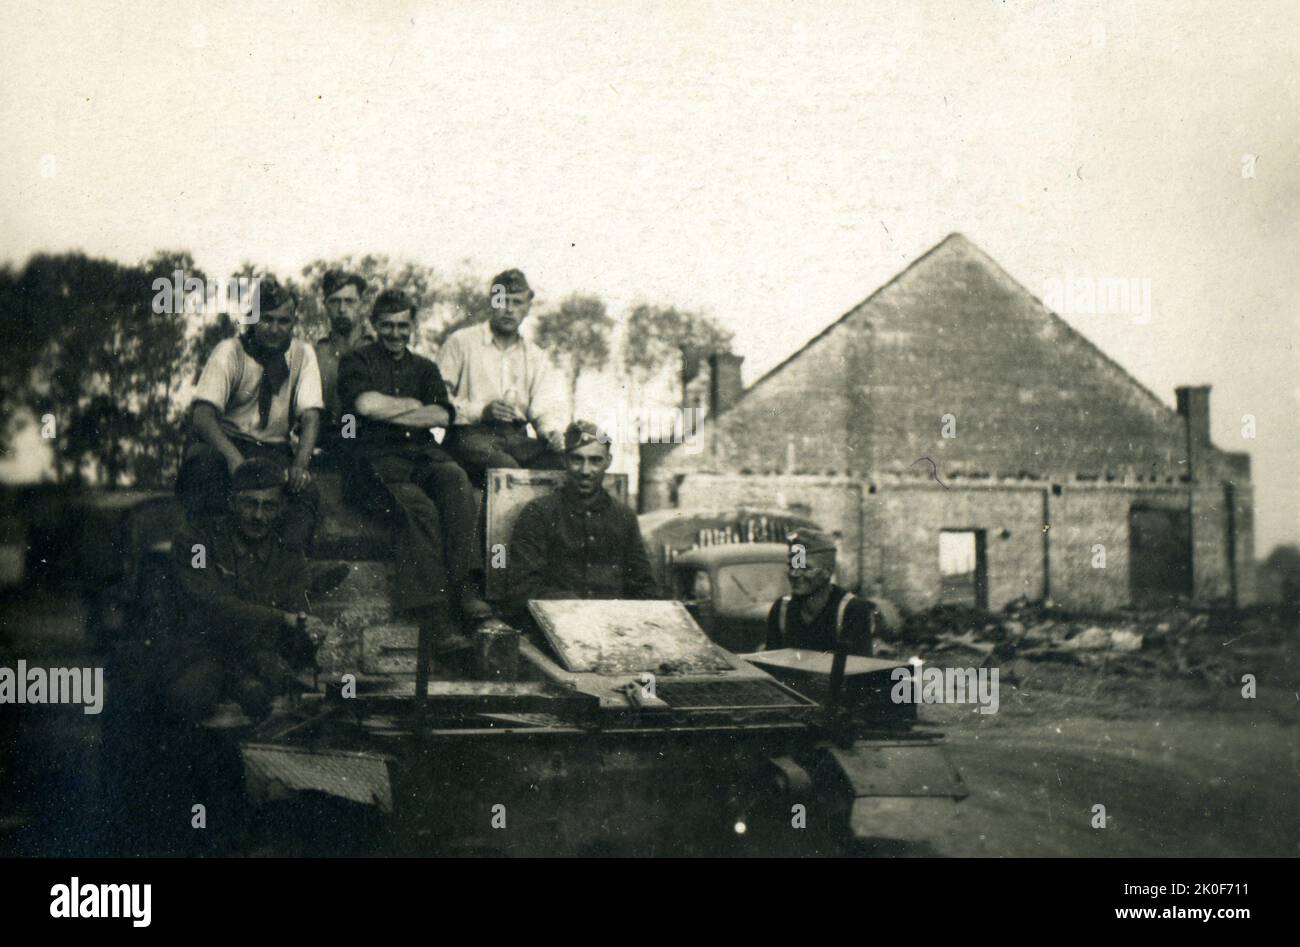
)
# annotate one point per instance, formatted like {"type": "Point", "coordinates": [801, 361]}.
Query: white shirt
{"type": "Point", "coordinates": [230, 382]}
{"type": "Point", "coordinates": [478, 371]}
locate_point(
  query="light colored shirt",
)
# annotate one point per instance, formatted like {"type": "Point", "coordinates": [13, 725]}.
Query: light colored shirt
{"type": "Point", "coordinates": [478, 371]}
{"type": "Point", "coordinates": [230, 383]}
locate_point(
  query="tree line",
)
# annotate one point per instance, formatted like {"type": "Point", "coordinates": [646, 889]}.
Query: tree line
{"type": "Point", "coordinates": [91, 360]}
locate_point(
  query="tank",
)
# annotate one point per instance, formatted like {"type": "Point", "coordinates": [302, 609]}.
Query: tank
{"type": "Point", "coordinates": [602, 728]}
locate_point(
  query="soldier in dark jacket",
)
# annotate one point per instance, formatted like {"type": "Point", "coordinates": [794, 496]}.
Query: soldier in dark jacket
{"type": "Point", "coordinates": [818, 615]}
{"type": "Point", "coordinates": [578, 542]}
{"type": "Point", "coordinates": [245, 594]}
{"type": "Point", "coordinates": [396, 397]}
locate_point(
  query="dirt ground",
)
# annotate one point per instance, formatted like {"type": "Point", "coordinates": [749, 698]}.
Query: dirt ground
{"type": "Point", "coordinates": [1185, 766]}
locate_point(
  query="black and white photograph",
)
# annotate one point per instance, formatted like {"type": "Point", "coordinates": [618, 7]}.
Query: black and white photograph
{"type": "Point", "coordinates": [650, 430]}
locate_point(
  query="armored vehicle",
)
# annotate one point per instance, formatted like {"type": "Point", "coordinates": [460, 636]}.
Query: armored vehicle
{"type": "Point", "coordinates": [603, 727]}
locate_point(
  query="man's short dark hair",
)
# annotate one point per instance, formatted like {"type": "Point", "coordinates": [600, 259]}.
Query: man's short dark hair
{"type": "Point", "coordinates": [510, 281]}
{"type": "Point", "coordinates": [390, 301]}
{"type": "Point", "coordinates": [336, 279]}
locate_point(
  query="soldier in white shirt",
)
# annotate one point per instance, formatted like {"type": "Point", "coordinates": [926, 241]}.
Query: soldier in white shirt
{"type": "Point", "coordinates": [501, 384]}
{"type": "Point", "coordinates": [252, 391]}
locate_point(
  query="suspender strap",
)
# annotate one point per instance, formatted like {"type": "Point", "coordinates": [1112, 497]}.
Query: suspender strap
{"type": "Point", "coordinates": [781, 616]}
{"type": "Point", "coordinates": [840, 660]}
{"type": "Point", "coordinates": [839, 617]}
{"type": "Point", "coordinates": [297, 353]}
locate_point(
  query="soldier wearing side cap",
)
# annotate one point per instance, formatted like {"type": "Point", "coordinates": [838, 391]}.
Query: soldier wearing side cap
{"type": "Point", "coordinates": [251, 393]}
{"type": "Point", "coordinates": [578, 541]}
{"type": "Point", "coordinates": [818, 615]}
{"type": "Point", "coordinates": [244, 589]}
{"type": "Point", "coordinates": [501, 383]}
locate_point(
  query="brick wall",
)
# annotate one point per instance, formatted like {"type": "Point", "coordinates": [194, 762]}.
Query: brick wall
{"type": "Point", "coordinates": [888, 533]}
{"type": "Point", "coordinates": [1034, 404]}
{"type": "Point", "coordinates": [909, 517]}
{"type": "Point", "coordinates": [952, 334]}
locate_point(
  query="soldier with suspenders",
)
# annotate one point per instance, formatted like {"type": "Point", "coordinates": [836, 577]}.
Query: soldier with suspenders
{"type": "Point", "coordinates": [818, 615]}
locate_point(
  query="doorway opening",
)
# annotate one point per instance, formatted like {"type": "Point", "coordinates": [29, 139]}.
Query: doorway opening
{"type": "Point", "coordinates": [1160, 555]}
{"type": "Point", "coordinates": [963, 568]}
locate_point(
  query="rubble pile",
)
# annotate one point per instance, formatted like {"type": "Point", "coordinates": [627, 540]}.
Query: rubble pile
{"type": "Point", "coordinates": [1181, 641]}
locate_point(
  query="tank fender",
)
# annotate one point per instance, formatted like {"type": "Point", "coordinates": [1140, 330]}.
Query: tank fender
{"type": "Point", "coordinates": [901, 790]}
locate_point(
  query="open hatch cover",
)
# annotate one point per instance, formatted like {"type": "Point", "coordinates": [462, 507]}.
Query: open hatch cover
{"type": "Point", "coordinates": [616, 636]}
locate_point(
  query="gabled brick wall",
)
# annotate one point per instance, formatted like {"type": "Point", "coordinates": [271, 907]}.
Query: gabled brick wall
{"type": "Point", "coordinates": [951, 334]}
{"type": "Point", "coordinates": [1048, 429]}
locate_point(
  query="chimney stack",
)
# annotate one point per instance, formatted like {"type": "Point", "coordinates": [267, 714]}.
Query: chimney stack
{"type": "Point", "coordinates": [1194, 406]}
{"type": "Point", "coordinates": [724, 381]}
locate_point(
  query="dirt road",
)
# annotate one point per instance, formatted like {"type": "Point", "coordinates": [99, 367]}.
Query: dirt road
{"type": "Point", "coordinates": [1182, 768]}
{"type": "Point", "coordinates": [1170, 787]}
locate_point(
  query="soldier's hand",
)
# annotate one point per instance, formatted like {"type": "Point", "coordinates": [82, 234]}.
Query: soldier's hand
{"type": "Point", "coordinates": [317, 630]}
{"type": "Point", "coordinates": [233, 460]}
{"type": "Point", "coordinates": [500, 411]}
{"type": "Point", "coordinates": [299, 477]}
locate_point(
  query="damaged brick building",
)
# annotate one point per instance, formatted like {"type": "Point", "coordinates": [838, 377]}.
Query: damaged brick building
{"type": "Point", "coordinates": [1055, 474]}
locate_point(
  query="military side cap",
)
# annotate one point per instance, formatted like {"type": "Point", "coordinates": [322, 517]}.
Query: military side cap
{"type": "Point", "coordinates": [581, 433]}
{"type": "Point", "coordinates": [336, 279]}
{"type": "Point", "coordinates": [257, 474]}
{"type": "Point", "coordinates": [271, 295]}
{"type": "Point", "coordinates": [813, 541]}
{"type": "Point", "coordinates": [511, 281]}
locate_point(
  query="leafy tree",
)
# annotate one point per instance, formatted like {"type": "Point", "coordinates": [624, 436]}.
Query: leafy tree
{"type": "Point", "coordinates": [89, 348]}
{"type": "Point", "coordinates": [657, 335]}
{"type": "Point", "coordinates": [468, 303]}
{"type": "Point", "coordinates": [576, 333]}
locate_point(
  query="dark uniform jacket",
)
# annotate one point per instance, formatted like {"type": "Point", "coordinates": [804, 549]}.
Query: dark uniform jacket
{"type": "Point", "coordinates": [371, 368]}
{"type": "Point", "coordinates": [819, 634]}
{"type": "Point", "coordinates": [564, 547]}
{"type": "Point", "coordinates": [235, 603]}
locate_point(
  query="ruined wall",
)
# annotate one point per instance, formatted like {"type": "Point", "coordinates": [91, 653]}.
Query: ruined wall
{"type": "Point", "coordinates": [1088, 516]}
{"type": "Point", "coordinates": [1029, 394]}
{"type": "Point", "coordinates": [950, 335]}
{"type": "Point", "coordinates": [888, 533]}
{"type": "Point", "coordinates": [1035, 404]}
{"type": "Point", "coordinates": [909, 517]}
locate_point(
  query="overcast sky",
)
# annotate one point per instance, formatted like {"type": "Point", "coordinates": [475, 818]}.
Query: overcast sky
{"type": "Point", "coordinates": [771, 163]}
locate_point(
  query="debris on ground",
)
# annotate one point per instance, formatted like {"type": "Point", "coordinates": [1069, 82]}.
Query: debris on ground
{"type": "Point", "coordinates": [1180, 640]}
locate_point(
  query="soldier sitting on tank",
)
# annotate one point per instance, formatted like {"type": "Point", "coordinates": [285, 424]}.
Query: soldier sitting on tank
{"type": "Point", "coordinates": [578, 541]}
{"type": "Point", "coordinates": [398, 397]}
{"type": "Point", "coordinates": [245, 631]}
{"type": "Point", "coordinates": [252, 391]}
{"type": "Point", "coordinates": [818, 615]}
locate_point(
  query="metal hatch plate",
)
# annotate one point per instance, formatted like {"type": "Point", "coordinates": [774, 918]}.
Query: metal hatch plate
{"type": "Point", "coordinates": [616, 636]}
